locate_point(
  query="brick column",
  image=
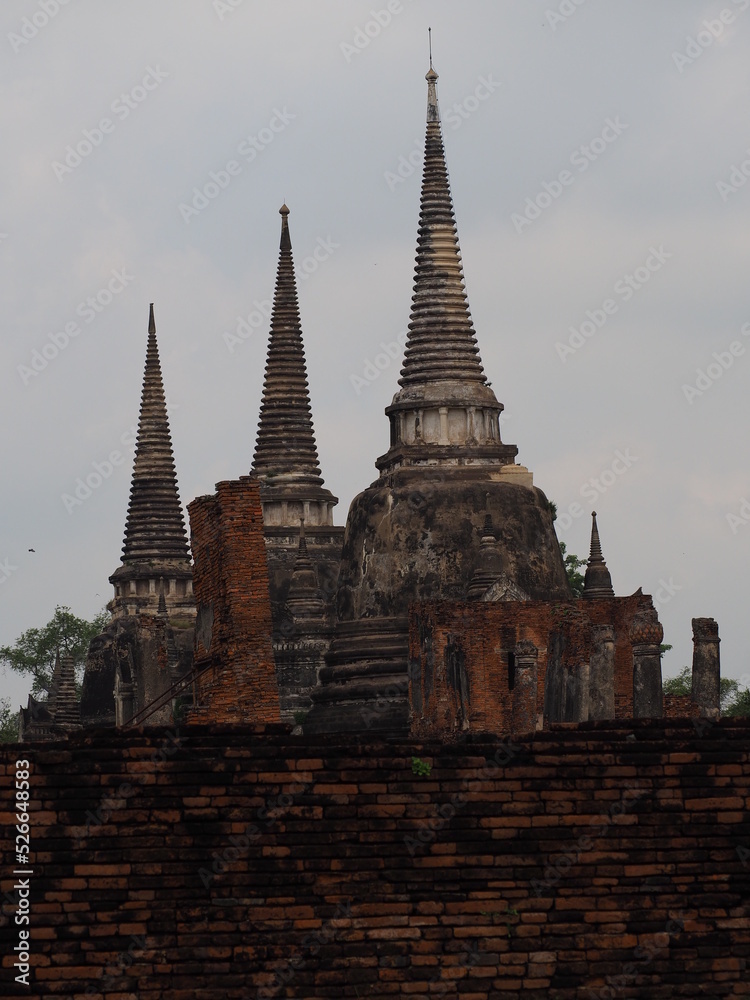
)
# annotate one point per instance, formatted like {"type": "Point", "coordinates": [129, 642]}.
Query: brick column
{"type": "Point", "coordinates": [233, 626]}
{"type": "Point", "coordinates": [602, 673]}
{"type": "Point", "coordinates": [706, 668]}
{"type": "Point", "coordinates": [524, 714]}
{"type": "Point", "coordinates": [646, 634]}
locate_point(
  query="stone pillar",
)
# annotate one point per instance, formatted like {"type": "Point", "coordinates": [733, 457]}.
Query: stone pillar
{"type": "Point", "coordinates": [523, 711]}
{"type": "Point", "coordinates": [124, 703]}
{"type": "Point", "coordinates": [443, 412]}
{"type": "Point", "coordinates": [646, 634]}
{"type": "Point", "coordinates": [706, 669]}
{"type": "Point", "coordinates": [602, 673]}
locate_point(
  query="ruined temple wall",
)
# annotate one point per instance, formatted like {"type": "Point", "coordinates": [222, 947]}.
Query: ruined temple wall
{"type": "Point", "coordinates": [486, 632]}
{"type": "Point", "coordinates": [218, 862]}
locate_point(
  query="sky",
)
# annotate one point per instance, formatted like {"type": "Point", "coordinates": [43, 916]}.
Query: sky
{"type": "Point", "coordinates": [598, 153]}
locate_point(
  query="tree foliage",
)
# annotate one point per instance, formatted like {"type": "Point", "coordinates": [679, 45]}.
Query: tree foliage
{"type": "Point", "coordinates": [732, 700]}
{"type": "Point", "coordinates": [572, 568]}
{"type": "Point", "coordinates": [8, 722]}
{"type": "Point", "coordinates": [34, 652]}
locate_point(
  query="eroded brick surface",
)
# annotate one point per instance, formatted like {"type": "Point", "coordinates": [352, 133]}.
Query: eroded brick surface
{"type": "Point", "coordinates": [233, 625]}
{"type": "Point", "coordinates": [594, 860]}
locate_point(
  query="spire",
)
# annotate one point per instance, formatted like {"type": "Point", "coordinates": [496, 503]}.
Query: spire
{"type": "Point", "coordinates": [304, 597]}
{"type": "Point", "coordinates": [442, 342]}
{"type": "Point", "coordinates": [285, 451]}
{"type": "Point", "coordinates": [67, 710]}
{"type": "Point", "coordinates": [155, 528]}
{"type": "Point", "coordinates": [490, 565]}
{"type": "Point", "coordinates": [597, 582]}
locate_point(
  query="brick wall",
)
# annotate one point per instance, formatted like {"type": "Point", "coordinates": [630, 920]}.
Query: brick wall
{"type": "Point", "coordinates": [485, 633]}
{"type": "Point", "coordinates": [603, 860]}
{"type": "Point", "coordinates": [680, 706]}
{"type": "Point", "coordinates": [233, 623]}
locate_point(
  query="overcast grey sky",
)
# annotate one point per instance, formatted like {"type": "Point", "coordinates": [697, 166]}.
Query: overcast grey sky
{"type": "Point", "coordinates": [598, 155]}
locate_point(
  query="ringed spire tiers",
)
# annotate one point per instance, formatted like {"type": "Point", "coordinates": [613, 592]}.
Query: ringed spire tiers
{"type": "Point", "coordinates": [155, 543]}
{"type": "Point", "coordinates": [286, 456]}
{"type": "Point", "coordinates": [597, 582]}
{"type": "Point", "coordinates": [445, 401]}
{"type": "Point", "coordinates": [442, 343]}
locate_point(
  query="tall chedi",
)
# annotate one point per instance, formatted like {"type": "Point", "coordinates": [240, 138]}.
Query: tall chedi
{"type": "Point", "coordinates": [294, 500]}
{"type": "Point", "coordinates": [416, 532]}
{"type": "Point", "coordinates": [155, 547]}
{"type": "Point", "coordinates": [155, 563]}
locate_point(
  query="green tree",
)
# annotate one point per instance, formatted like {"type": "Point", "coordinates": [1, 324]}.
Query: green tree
{"type": "Point", "coordinates": [681, 684]}
{"type": "Point", "coordinates": [34, 652]}
{"type": "Point", "coordinates": [732, 700]}
{"type": "Point", "coordinates": [741, 704]}
{"type": "Point", "coordinates": [572, 567]}
{"type": "Point", "coordinates": [8, 722]}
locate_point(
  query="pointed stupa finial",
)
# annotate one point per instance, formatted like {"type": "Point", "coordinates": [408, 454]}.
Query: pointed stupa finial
{"type": "Point", "coordinates": [304, 598]}
{"type": "Point", "coordinates": [155, 528]}
{"type": "Point", "coordinates": [433, 111]}
{"type": "Point", "coordinates": [286, 240]}
{"type": "Point", "coordinates": [286, 456]}
{"type": "Point", "coordinates": [491, 562]}
{"type": "Point", "coordinates": [597, 582]}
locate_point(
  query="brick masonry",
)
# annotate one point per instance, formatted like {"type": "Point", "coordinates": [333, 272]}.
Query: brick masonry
{"type": "Point", "coordinates": [233, 623]}
{"type": "Point", "coordinates": [600, 860]}
{"type": "Point", "coordinates": [483, 634]}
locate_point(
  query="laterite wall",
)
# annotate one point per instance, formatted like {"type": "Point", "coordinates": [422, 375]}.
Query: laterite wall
{"type": "Point", "coordinates": [607, 860]}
